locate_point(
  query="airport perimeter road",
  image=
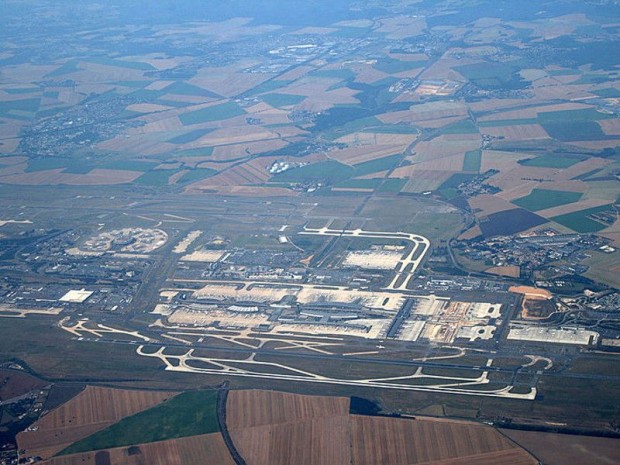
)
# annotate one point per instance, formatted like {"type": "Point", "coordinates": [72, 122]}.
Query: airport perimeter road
{"type": "Point", "coordinates": [407, 265]}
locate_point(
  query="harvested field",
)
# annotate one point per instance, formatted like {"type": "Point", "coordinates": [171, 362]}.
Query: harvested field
{"type": "Point", "coordinates": [237, 151]}
{"type": "Point", "coordinates": [566, 449]}
{"type": "Point", "coordinates": [235, 135]}
{"type": "Point", "coordinates": [15, 383]}
{"type": "Point", "coordinates": [518, 132]}
{"type": "Point", "coordinates": [611, 127]}
{"type": "Point", "coordinates": [253, 172]}
{"type": "Point", "coordinates": [272, 428]}
{"type": "Point", "coordinates": [420, 180]}
{"type": "Point", "coordinates": [92, 410]}
{"type": "Point", "coordinates": [494, 104]}
{"type": "Point", "coordinates": [510, 271]}
{"type": "Point", "coordinates": [254, 408]}
{"type": "Point", "coordinates": [227, 81]}
{"type": "Point", "coordinates": [453, 163]}
{"type": "Point", "coordinates": [445, 146]}
{"type": "Point", "coordinates": [57, 177]}
{"type": "Point", "coordinates": [147, 107]}
{"type": "Point", "coordinates": [355, 155]}
{"type": "Point", "coordinates": [144, 144]}
{"type": "Point", "coordinates": [206, 449]}
{"type": "Point", "coordinates": [440, 122]}
{"type": "Point", "coordinates": [378, 440]}
{"type": "Point", "coordinates": [487, 204]}
{"type": "Point", "coordinates": [442, 68]}
{"type": "Point", "coordinates": [426, 111]}
{"type": "Point", "coordinates": [378, 138]}
{"type": "Point", "coordinates": [311, 441]}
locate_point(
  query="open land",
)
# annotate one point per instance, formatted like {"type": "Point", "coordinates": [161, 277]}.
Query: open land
{"type": "Point", "coordinates": [340, 205]}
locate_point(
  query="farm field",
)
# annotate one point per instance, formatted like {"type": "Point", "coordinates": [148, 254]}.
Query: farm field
{"type": "Point", "coordinates": [566, 449]}
{"type": "Point", "coordinates": [179, 181]}
{"type": "Point", "coordinates": [207, 449]}
{"type": "Point", "coordinates": [188, 414]}
{"type": "Point", "coordinates": [265, 434]}
{"type": "Point", "coordinates": [15, 383]}
{"type": "Point", "coordinates": [90, 411]}
{"type": "Point", "coordinates": [541, 199]}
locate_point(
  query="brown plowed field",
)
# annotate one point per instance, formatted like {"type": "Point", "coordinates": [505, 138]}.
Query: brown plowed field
{"type": "Point", "coordinates": [273, 428]}
{"type": "Point", "coordinates": [399, 441]}
{"type": "Point", "coordinates": [207, 449]}
{"type": "Point", "coordinates": [305, 442]}
{"type": "Point", "coordinates": [508, 457]}
{"type": "Point", "coordinates": [253, 408]}
{"type": "Point", "coordinates": [92, 410]}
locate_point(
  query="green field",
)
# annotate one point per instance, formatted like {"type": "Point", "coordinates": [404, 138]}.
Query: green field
{"type": "Point", "coordinates": [197, 174]}
{"type": "Point", "coordinates": [392, 185]}
{"type": "Point", "coordinates": [282, 100]}
{"type": "Point", "coordinates": [170, 103]}
{"type": "Point", "coordinates": [393, 129]}
{"type": "Point", "coordinates": [360, 183]}
{"type": "Point", "coordinates": [460, 127]}
{"type": "Point", "coordinates": [103, 60]}
{"type": "Point", "coordinates": [189, 136]}
{"type": "Point", "coordinates": [146, 95]}
{"type": "Point", "coordinates": [154, 178]}
{"type": "Point", "coordinates": [579, 221]}
{"type": "Point", "coordinates": [352, 32]}
{"type": "Point", "coordinates": [344, 74]}
{"type": "Point", "coordinates": [609, 92]}
{"type": "Point", "coordinates": [564, 72]}
{"type": "Point", "coordinates": [449, 188]}
{"type": "Point", "coordinates": [507, 122]}
{"type": "Point", "coordinates": [366, 124]}
{"type": "Point", "coordinates": [26, 90]}
{"type": "Point", "coordinates": [133, 84]}
{"type": "Point", "coordinates": [213, 113]}
{"type": "Point", "coordinates": [130, 165]}
{"type": "Point", "coordinates": [392, 66]}
{"type": "Point", "coordinates": [188, 414]}
{"type": "Point", "coordinates": [48, 163]}
{"type": "Point", "coordinates": [541, 199]}
{"type": "Point", "coordinates": [28, 105]}
{"type": "Point", "coordinates": [569, 131]}
{"type": "Point", "coordinates": [267, 86]}
{"type": "Point", "coordinates": [378, 165]}
{"type": "Point", "coordinates": [68, 67]}
{"type": "Point", "coordinates": [472, 160]}
{"type": "Point", "coordinates": [183, 88]}
{"type": "Point", "coordinates": [568, 125]}
{"type": "Point", "coordinates": [550, 161]}
{"type": "Point", "coordinates": [492, 75]}
{"type": "Point", "coordinates": [585, 114]}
